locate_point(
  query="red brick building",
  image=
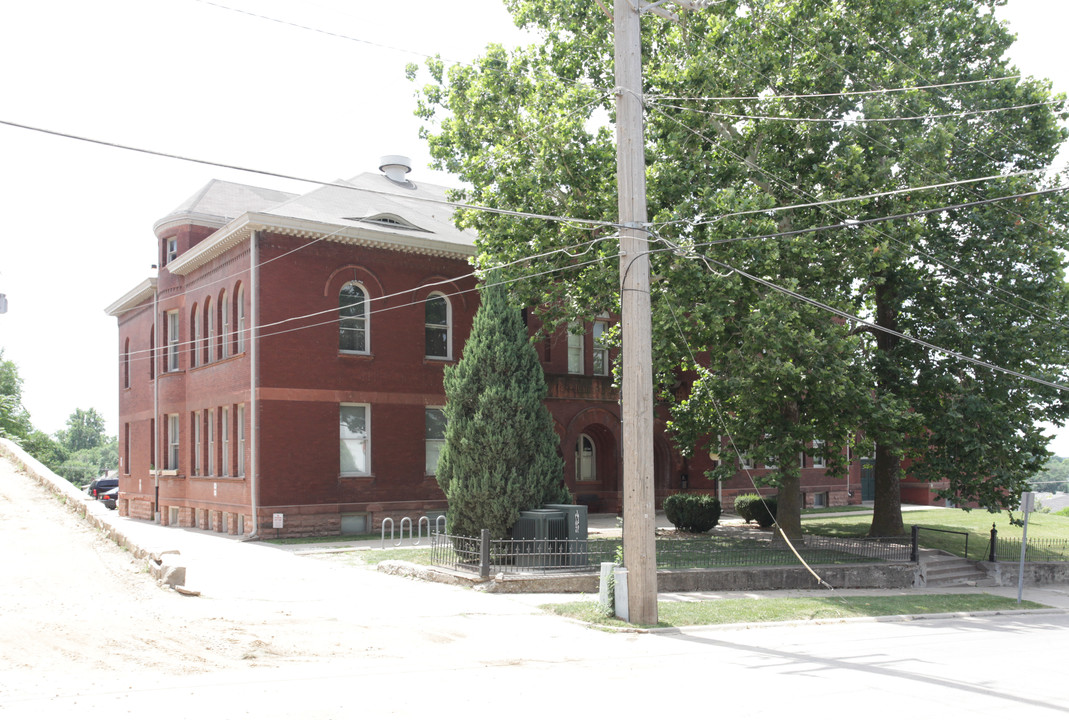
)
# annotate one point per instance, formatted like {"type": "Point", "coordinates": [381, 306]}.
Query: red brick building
{"type": "Point", "coordinates": [287, 361]}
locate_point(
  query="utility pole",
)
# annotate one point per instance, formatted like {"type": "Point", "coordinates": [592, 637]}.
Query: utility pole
{"type": "Point", "coordinates": [637, 378]}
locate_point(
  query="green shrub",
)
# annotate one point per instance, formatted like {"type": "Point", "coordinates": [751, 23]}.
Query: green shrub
{"type": "Point", "coordinates": [743, 505]}
{"type": "Point", "coordinates": [752, 507]}
{"type": "Point", "coordinates": [692, 513]}
{"type": "Point", "coordinates": [1064, 512]}
{"type": "Point", "coordinates": [764, 513]}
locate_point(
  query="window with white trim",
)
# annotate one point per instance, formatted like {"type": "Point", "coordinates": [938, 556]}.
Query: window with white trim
{"type": "Point", "coordinates": [353, 321]}
{"type": "Point", "coordinates": [209, 334]}
{"type": "Point", "coordinates": [601, 353]}
{"type": "Point", "coordinates": [817, 454]}
{"type": "Point", "coordinates": [172, 249]}
{"type": "Point", "coordinates": [227, 338]}
{"type": "Point", "coordinates": [198, 449]}
{"type": "Point", "coordinates": [575, 353]}
{"type": "Point", "coordinates": [241, 441]}
{"type": "Point", "coordinates": [355, 438]}
{"type": "Point", "coordinates": [224, 441]}
{"type": "Point", "coordinates": [434, 438]}
{"type": "Point", "coordinates": [241, 318]}
{"type": "Point", "coordinates": [437, 317]}
{"type": "Point", "coordinates": [172, 340]}
{"type": "Point", "coordinates": [198, 329]}
{"type": "Point", "coordinates": [211, 441]}
{"type": "Point", "coordinates": [585, 459]}
{"type": "Point", "coordinates": [173, 423]}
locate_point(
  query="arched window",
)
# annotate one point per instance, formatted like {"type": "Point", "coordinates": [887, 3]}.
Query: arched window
{"type": "Point", "coordinates": [585, 460]}
{"type": "Point", "coordinates": [194, 317]}
{"type": "Point", "coordinates": [224, 308]}
{"type": "Point", "coordinates": [241, 318]}
{"type": "Point", "coordinates": [438, 323]}
{"type": "Point", "coordinates": [352, 313]}
{"type": "Point", "coordinates": [209, 335]}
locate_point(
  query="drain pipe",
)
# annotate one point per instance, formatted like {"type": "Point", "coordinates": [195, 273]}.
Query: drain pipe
{"type": "Point", "coordinates": [154, 359]}
{"type": "Point", "coordinates": [254, 436]}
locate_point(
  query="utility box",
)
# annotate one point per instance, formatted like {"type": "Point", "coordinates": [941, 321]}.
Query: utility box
{"type": "Point", "coordinates": [574, 551]}
{"type": "Point", "coordinates": [539, 535]}
{"type": "Point", "coordinates": [576, 516]}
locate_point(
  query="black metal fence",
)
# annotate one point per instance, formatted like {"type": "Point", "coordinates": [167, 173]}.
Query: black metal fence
{"type": "Point", "coordinates": [489, 557]}
{"type": "Point", "coordinates": [1037, 549]}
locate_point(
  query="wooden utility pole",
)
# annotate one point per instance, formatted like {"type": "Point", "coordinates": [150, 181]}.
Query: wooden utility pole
{"type": "Point", "coordinates": [637, 378]}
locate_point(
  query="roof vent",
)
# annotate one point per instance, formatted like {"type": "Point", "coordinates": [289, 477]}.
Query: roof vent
{"type": "Point", "coordinates": [395, 167]}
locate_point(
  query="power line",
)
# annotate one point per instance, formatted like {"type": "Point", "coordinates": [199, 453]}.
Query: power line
{"type": "Point", "coordinates": [875, 326]}
{"type": "Point", "coordinates": [845, 93]}
{"type": "Point", "coordinates": [860, 120]}
{"type": "Point", "coordinates": [929, 256]}
{"type": "Point", "coordinates": [285, 176]}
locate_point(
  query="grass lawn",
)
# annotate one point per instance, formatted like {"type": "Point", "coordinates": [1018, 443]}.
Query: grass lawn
{"type": "Point", "coordinates": [838, 509]}
{"type": "Point", "coordinates": [977, 523]}
{"type": "Point", "coordinates": [743, 610]}
{"type": "Point", "coordinates": [324, 539]}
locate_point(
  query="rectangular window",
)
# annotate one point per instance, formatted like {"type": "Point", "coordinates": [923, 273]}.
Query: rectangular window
{"type": "Point", "coordinates": [575, 353]}
{"type": "Point", "coordinates": [437, 325]}
{"type": "Point", "coordinates": [817, 453]}
{"type": "Point", "coordinates": [224, 439]}
{"type": "Point", "coordinates": [434, 434]}
{"type": "Point", "coordinates": [601, 353]}
{"type": "Point", "coordinates": [172, 341]}
{"type": "Point", "coordinates": [820, 499]}
{"type": "Point", "coordinates": [211, 441]}
{"type": "Point", "coordinates": [172, 249]}
{"type": "Point", "coordinates": [355, 436]}
{"type": "Point", "coordinates": [198, 447]}
{"type": "Point", "coordinates": [172, 442]}
{"type": "Point", "coordinates": [241, 441]}
{"type": "Point", "coordinates": [126, 448]}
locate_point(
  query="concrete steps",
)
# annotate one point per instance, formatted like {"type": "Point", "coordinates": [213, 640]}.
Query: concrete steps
{"type": "Point", "coordinates": [939, 569]}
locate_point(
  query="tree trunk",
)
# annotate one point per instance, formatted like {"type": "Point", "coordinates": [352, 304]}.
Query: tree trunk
{"type": "Point", "coordinates": [789, 505]}
{"type": "Point", "coordinates": [887, 505]}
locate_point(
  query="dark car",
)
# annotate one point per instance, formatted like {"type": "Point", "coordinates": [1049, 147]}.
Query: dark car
{"type": "Point", "coordinates": [110, 497]}
{"type": "Point", "coordinates": [102, 484]}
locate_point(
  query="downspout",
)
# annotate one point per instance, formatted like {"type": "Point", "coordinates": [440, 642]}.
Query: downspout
{"type": "Point", "coordinates": [254, 436]}
{"type": "Point", "coordinates": [156, 400]}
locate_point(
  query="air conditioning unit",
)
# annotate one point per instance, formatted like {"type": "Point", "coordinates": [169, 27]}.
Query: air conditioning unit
{"type": "Point", "coordinates": [574, 552]}
{"type": "Point", "coordinates": [539, 535]}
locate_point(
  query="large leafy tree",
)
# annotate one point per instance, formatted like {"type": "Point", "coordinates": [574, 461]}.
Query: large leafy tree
{"type": "Point", "coordinates": [14, 420]}
{"type": "Point", "coordinates": [85, 430]}
{"type": "Point", "coordinates": [500, 452]}
{"type": "Point", "coordinates": [766, 120]}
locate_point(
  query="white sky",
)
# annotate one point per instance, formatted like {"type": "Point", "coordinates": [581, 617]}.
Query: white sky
{"type": "Point", "coordinates": [189, 78]}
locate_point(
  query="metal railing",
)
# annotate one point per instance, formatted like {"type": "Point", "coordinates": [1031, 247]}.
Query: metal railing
{"type": "Point", "coordinates": [1036, 550]}
{"type": "Point", "coordinates": [486, 557]}
{"type": "Point", "coordinates": [439, 526]}
{"type": "Point", "coordinates": [916, 531]}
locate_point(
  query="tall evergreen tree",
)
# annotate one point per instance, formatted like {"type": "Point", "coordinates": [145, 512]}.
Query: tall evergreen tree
{"type": "Point", "coordinates": [500, 454]}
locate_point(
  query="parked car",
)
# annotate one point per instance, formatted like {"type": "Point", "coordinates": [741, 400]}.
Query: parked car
{"type": "Point", "coordinates": [110, 497]}
{"type": "Point", "coordinates": [101, 484]}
